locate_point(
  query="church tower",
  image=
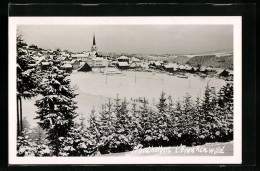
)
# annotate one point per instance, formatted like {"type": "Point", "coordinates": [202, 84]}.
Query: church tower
{"type": "Point", "coordinates": [94, 47]}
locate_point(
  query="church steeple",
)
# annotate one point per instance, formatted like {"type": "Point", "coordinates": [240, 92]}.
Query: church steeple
{"type": "Point", "coordinates": [94, 47]}
{"type": "Point", "coordinates": [94, 41]}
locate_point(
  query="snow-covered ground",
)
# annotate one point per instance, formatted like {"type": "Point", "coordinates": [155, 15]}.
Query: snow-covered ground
{"type": "Point", "coordinates": [209, 149]}
{"type": "Point", "coordinates": [95, 88]}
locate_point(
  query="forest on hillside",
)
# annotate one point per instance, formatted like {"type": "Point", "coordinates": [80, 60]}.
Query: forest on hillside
{"type": "Point", "coordinates": [225, 62]}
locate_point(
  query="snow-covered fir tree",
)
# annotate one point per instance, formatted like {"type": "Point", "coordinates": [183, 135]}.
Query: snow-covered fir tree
{"type": "Point", "coordinates": [173, 122]}
{"type": "Point", "coordinates": [56, 110]}
{"type": "Point", "coordinates": [28, 80]}
{"type": "Point", "coordinates": [24, 144]}
{"type": "Point", "coordinates": [190, 132]}
{"type": "Point", "coordinates": [122, 139]}
{"type": "Point", "coordinates": [161, 125]}
{"type": "Point", "coordinates": [106, 127]}
{"type": "Point", "coordinates": [135, 125]}
{"type": "Point", "coordinates": [78, 142]}
{"type": "Point", "coordinates": [146, 133]}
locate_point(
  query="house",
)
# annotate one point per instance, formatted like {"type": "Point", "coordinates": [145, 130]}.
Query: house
{"type": "Point", "coordinates": [67, 68]}
{"type": "Point", "coordinates": [99, 62]}
{"type": "Point", "coordinates": [155, 64]}
{"type": "Point", "coordinates": [122, 65]}
{"type": "Point", "coordinates": [75, 64]}
{"type": "Point", "coordinates": [203, 70]}
{"type": "Point", "coordinates": [168, 68]}
{"type": "Point", "coordinates": [182, 68]}
{"type": "Point", "coordinates": [134, 65]}
{"type": "Point", "coordinates": [64, 58]}
{"type": "Point", "coordinates": [80, 57]}
{"type": "Point", "coordinates": [171, 67]}
{"type": "Point", "coordinates": [196, 69]}
{"type": "Point", "coordinates": [189, 68]}
{"type": "Point", "coordinates": [45, 65]}
{"type": "Point", "coordinates": [114, 63]}
{"type": "Point", "coordinates": [85, 68]}
{"type": "Point", "coordinates": [210, 70]}
{"type": "Point", "coordinates": [230, 75]}
{"type": "Point", "coordinates": [136, 60]}
{"type": "Point", "coordinates": [109, 62]}
{"type": "Point", "coordinates": [123, 59]}
{"type": "Point", "coordinates": [222, 73]}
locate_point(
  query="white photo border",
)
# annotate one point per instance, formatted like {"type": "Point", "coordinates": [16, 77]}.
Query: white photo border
{"type": "Point", "coordinates": [236, 21]}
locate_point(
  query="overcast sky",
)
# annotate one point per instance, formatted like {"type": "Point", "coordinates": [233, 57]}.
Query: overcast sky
{"type": "Point", "coordinates": [149, 39]}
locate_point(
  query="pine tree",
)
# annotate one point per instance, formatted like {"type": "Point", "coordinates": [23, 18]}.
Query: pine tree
{"type": "Point", "coordinates": [189, 130]}
{"type": "Point", "coordinates": [82, 119]}
{"type": "Point", "coordinates": [172, 122]}
{"type": "Point", "coordinates": [208, 115]}
{"type": "Point", "coordinates": [146, 134]}
{"type": "Point", "coordinates": [41, 147]}
{"type": "Point", "coordinates": [24, 144]}
{"type": "Point", "coordinates": [79, 142]}
{"type": "Point", "coordinates": [56, 110]}
{"type": "Point", "coordinates": [28, 80]}
{"type": "Point", "coordinates": [161, 126]}
{"type": "Point", "coordinates": [94, 125]}
{"type": "Point", "coordinates": [135, 125]}
{"type": "Point", "coordinates": [199, 120]}
{"type": "Point", "coordinates": [206, 105]}
{"type": "Point", "coordinates": [224, 111]}
{"type": "Point", "coordinates": [106, 128]}
{"type": "Point", "coordinates": [122, 139]}
{"type": "Point", "coordinates": [179, 128]}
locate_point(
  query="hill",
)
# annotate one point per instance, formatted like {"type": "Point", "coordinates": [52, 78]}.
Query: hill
{"type": "Point", "coordinates": [179, 59]}
{"type": "Point", "coordinates": [213, 61]}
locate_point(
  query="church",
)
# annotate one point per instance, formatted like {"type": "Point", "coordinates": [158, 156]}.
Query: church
{"type": "Point", "coordinates": [97, 60]}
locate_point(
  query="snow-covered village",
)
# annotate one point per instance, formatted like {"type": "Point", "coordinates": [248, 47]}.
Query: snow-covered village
{"type": "Point", "coordinates": [95, 102]}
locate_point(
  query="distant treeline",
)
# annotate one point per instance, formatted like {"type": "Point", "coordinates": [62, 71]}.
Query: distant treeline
{"type": "Point", "coordinates": [225, 62]}
{"type": "Point", "coordinates": [215, 62]}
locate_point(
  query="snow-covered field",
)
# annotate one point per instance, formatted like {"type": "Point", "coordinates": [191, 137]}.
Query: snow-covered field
{"type": "Point", "coordinates": [209, 149]}
{"type": "Point", "coordinates": [95, 88]}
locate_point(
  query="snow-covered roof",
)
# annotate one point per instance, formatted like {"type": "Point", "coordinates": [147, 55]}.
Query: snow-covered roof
{"type": "Point", "coordinates": [182, 67]}
{"type": "Point", "coordinates": [230, 72]}
{"type": "Point", "coordinates": [123, 64]}
{"type": "Point", "coordinates": [98, 59]}
{"type": "Point", "coordinates": [63, 58]}
{"type": "Point", "coordinates": [134, 59]}
{"type": "Point", "coordinates": [133, 65]}
{"type": "Point", "coordinates": [114, 62]}
{"type": "Point", "coordinates": [73, 61]}
{"type": "Point", "coordinates": [38, 59]}
{"type": "Point", "coordinates": [80, 55]}
{"type": "Point", "coordinates": [67, 66]}
{"type": "Point", "coordinates": [209, 68]}
{"type": "Point", "coordinates": [171, 65]}
{"type": "Point", "coordinates": [123, 57]}
{"type": "Point", "coordinates": [188, 67]}
{"type": "Point", "coordinates": [157, 63]}
{"type": "Point", "coordinates": [161, 62]}
{"type": "Point", "coordinates": [219, 71]}
{"type": "Point", "coordinates": [45, 63]}
{"type": "Point", "coordinates": [203, 68]}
